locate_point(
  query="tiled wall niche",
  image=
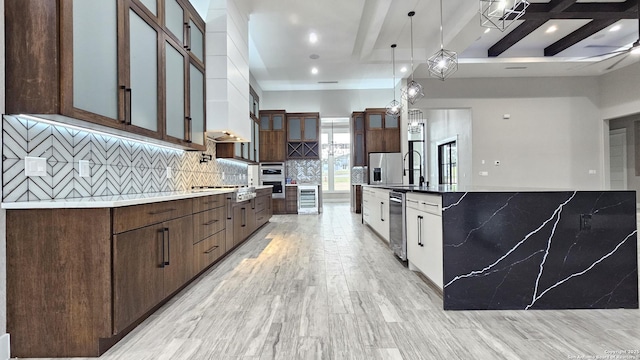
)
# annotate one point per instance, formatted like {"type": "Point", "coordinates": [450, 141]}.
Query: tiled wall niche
{"type": "Point", "coordinates": [304, 171]}
{"type": "Point", "coordinates": [118, 166]}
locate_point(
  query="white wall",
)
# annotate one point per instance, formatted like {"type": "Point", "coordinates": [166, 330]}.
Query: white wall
{"type": "Point", "coordinates": [552, 140]}
{"type": "Point", "coordinates": [329, 103]}
{"type": "Point", "coordinates": [619, 92]}
{"type": "Point", "coordinates": [633, 181]}
{"type": "Point", "coordinates": [444, 124]}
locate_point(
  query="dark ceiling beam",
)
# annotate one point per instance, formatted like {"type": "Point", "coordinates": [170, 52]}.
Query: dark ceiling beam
{"type": "Point", "coordinates": [623, 10]}
{"type": "Point", "coordinates": [560, 5]}
{"type": "Point", "coordinates": [513, 37]}
{"type": "Point", "coordinates": [602, 14]}
{"type": "Point", "coordinates": [577, 36]}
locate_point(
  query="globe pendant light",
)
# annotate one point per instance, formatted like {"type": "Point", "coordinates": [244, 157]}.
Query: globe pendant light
{"type": "Point", "coordinates": [413, 91]}
{"type": "Point", "coordinates": [444, 62]}
{"type": "Point", "coordinates": [394, 108]}
{"type": "Point", "coordinates": [500, 14]}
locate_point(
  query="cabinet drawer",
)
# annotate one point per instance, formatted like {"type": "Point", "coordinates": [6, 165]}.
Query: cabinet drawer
{"type": "Point", "coordinates": [137, 216]}
{"type": "Point", "coordinates": [261, 203]}
{"type": "Point", "coordinates": [264, 192]}
{"type": "Point", "coordinates": [208, 250]}
{"type": "Point", "coordinates": [261, 218]}
{"type": "Point", "coordinates": [208, 202]}
{"type": "Point", "coordinates": [431, 204]}
{"type": "Point", "coordinates": [208, 222]}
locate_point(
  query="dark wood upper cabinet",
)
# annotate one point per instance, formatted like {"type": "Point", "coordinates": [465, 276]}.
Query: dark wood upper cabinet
{"type": "Point", "coordinates": [303, 135]}
{"type": "Point", "coordinates": [121, 64]}
{"type": "Point", "coordinates": [382, 132]}
{"type": "Point", "coordinates": [358, 149]}
{"type": "Point", "coordinates": [273, 137]}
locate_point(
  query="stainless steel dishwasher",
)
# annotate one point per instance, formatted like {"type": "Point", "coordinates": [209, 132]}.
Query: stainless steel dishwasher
{"type": "Point", "coordinates": [397, 224]}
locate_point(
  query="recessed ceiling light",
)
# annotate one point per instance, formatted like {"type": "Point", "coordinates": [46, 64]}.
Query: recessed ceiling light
{"type": "Point", "coordinates": [486, 31]}
{"type": "Point", "coordinates": [313, 38]}
{"type": "Point", "coordinates": [314, 70]}
{"type": "Point", "coordinates": [615, 28]}
{"type": "Point", "coordinates": [404, 69]}
{"type": "Point", "coordinates": [551, 29]}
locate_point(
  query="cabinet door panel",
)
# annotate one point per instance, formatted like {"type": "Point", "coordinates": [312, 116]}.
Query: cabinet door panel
{"type": "Point", "coordinates": [265, 123]}
{"type": "Point", "coordinates": [256, 142]}
{"type": "Point", "coordinates": [359, 159]}
{"type": "Point", "coordinates": [95, 57]}
{"type": "Point", "coordinates": [179, 238]}
{"type": "Point", "coordinates": [197, 41]}
{"type": "Point", "coordinates": [359, 123]}
{"type": "Point", "coordinates": [143, 63]}
{"type": "Point", "coordinates": [174, 19]}
{"type": "Point", "coordinates": [278, 122]}
{"type": "Point", "coordinates": [138, 274]}
{"type": "Point", "coordinates": [391, 122]}
{"type": "Point", "coordinates": [152, 5]}
{"type": "Point", "coordinates": [174, 90]}
{"type": "Point", "coordinates": [375, 121]}
{"type": "Point", "coordinates": [294, 129]}
{"type": "Point", "coordinates": [310, 129]}
{"type": "Point", "coordinates": [196, 101]}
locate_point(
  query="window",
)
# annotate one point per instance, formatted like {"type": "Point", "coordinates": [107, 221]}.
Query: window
{"type": "Point", "coordinates": [335, 154]}
{"type": "Point", "coordinates": [448, 163]}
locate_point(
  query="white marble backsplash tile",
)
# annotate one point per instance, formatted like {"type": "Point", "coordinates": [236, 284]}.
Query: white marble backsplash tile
{"type": "Point", "coordinates": [118, 167]}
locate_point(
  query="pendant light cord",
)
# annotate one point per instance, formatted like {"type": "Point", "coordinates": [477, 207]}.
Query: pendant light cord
{"type": "Point", "coordinates": [411, 19]}
{"type": "Point", "coordinates": [393, 62]}
{"type": "Point", "coordinates": [441, 32]}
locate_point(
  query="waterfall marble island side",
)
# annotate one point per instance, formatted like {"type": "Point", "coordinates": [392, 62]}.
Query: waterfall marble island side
{"type": "Point", "coordinates": [525, 249]}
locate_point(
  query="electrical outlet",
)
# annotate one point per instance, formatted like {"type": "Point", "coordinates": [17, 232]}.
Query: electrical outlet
{"type": "Point", "coordinates": [35, 166]}
{"type": "Point", "coordinates": [592, 172]}
{"type": "Point", "coordinates": [223, 175]}
{"type": "Point", "coordinates": [484, 173]}
{"type": "Point", "coordinates": [168, 172]}
{"type": "Point", "coordinates": [83, 168]}
{"type": "Point", "coordinates": [585, 221]}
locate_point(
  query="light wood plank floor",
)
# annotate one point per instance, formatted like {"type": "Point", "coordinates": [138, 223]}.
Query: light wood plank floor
{"type": "Point", "coordinates": [325, 287]}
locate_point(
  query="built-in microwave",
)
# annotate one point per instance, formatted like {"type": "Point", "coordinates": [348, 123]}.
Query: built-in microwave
{"type": "Point", "coordinates": [273, 174]}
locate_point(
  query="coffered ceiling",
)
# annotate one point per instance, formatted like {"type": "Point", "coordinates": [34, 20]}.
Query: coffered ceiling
{"type": "Point", "coordinates": [354, 37]}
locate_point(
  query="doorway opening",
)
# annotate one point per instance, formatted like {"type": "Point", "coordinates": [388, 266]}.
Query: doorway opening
{"type": "Point", "coordinates": [448, 163]}
{"type": "Point", "coordinates": [618, 158]}
{"type": "Point", "coordinates": [335, 155]}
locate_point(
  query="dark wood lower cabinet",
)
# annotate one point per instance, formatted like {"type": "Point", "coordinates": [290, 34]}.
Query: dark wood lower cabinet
{"type": "Point", "coordinates": [279, 206]}
{"type": "Point", "coordinates": [74, 288]}
{"type": "Point", "coordinates": [58, 281]}
{"type": "Point", "coordinates": [291, 196]}
{"type": "Point", "coordinates": [138, 276]}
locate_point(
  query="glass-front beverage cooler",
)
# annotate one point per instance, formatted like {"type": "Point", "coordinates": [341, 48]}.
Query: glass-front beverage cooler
{"type": "Point", "coordinates": [307, 199]}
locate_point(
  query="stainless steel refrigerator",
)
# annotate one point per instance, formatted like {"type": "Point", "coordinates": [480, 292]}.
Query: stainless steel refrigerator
{"type": "Point", "coordinates": [385, 168]}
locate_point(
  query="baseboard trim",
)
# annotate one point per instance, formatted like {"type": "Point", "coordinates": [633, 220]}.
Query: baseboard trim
{"type": "Point", "coordinates": [5, 353]}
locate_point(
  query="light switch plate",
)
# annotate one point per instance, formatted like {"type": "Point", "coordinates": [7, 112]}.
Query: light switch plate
{"type": "Point", "coordinates": [83, 168]}
{"type": "Point", "coordinates": [35, 166]}
{"type": "Point", "coordinates": [168, 172]}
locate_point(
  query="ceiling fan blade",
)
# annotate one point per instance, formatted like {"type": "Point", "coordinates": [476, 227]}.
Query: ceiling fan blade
{"type": "Point", "coordinates": [616, 63]}
{"type": "Point", "coordinates": [615, 53]}
{"type": "Point", "coordinates": [604, 46]}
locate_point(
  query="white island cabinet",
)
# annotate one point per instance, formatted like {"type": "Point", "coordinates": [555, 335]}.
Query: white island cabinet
{"type": "Point", "coordinates": [424, 235]}
{"type": "Point", "coordinates": [375, 210]}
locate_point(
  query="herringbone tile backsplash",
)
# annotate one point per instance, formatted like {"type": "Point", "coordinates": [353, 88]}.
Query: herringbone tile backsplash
{"type": "Point", "coordinates": [117, 166]}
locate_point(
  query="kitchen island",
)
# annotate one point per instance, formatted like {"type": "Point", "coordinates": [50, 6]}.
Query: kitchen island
{"type": "Point", "coordinates": [526, 249]}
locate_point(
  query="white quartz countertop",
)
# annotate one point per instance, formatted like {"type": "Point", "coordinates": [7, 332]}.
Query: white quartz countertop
{"type": "Point", "coordinates": [116, 200]}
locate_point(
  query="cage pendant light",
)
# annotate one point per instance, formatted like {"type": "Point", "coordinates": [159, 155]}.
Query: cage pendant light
{"type": "Point", "coordinates": [413, 91]}
{"type": "Point", "coordinates": [500, 14]}
{"type": "Point", "coordinates": [444, 62]}
{"type": "Point", "coordinates": [394, 107]}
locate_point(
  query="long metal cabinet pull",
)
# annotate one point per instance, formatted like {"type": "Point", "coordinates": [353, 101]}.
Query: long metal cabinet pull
{"type": "Point", "coordinates": [128, 121]}
{"type": "Point", "coordinates": [161, 211]}
{"type": "Point", "coordinates": [381, 211]}
{"type": "Point", "coordinates": [211, 250]}
{"type": "Point", "coordinates": [420, 218]}
{"type": "Point", "coordinates": [168, 246]}
{"type": "Point", "coordinates": [244, 217]}
{"type": "Point", "coordinates": [163, 256]}
{"type": "Point", "coordinates": [229, 210]}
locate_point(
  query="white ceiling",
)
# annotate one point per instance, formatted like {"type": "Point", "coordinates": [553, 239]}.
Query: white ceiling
{"type": "Point", "coordinates": [355, 38]}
